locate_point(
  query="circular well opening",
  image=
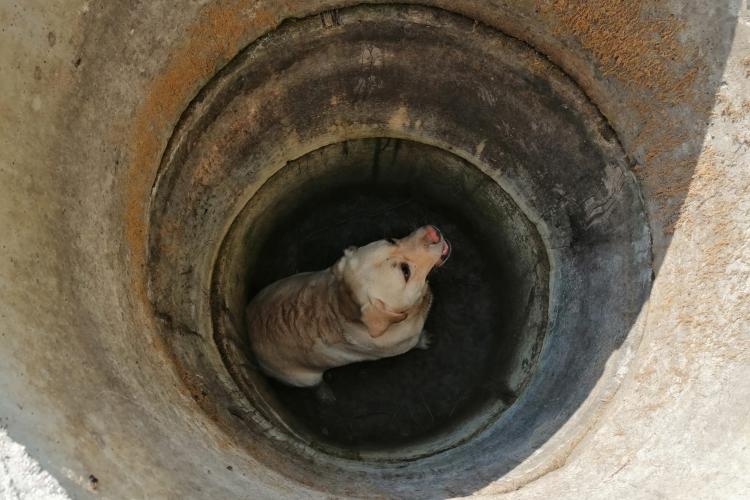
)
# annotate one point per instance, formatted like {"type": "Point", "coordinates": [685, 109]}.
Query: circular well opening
{"type": "Point", "coordinates": [295, 132]}
{"type": "Point", "coordinates": [487, 319]}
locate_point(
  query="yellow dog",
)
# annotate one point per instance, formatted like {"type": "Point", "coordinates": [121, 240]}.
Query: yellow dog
{"type": "Point", "coordinates": [372, 303]}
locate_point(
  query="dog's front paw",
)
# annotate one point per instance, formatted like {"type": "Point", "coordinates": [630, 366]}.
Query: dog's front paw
{"type": "Point", "coordinates": [425, 340]}
{"type": "Point", "coordinates": [324, 393]}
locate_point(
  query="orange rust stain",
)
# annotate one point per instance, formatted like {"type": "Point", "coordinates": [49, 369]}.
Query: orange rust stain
{"type": "Point", "coordinates": [637, 49]}
{"type": "Point", "coordinates": [640, 48]}
{"type": "Point", "coordinates": [216, 36]}
{"type": "Point", "coordinates": [218, 33]}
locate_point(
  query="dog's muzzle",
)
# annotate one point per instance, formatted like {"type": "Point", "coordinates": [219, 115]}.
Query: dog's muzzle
{"type": "Point", "coordinates": [438, 237]}
{"type": "Point", "coordinates": [446, 252]}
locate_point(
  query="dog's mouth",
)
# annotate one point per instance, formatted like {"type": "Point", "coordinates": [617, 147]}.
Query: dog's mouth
{"type": "Point", "coordinates": [445, 252]}
{"type": "Point", "coordinates": [445, 249]}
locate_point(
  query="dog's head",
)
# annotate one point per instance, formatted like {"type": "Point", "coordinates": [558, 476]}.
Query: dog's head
{"type": "Point", "coordinates": [388, 278]}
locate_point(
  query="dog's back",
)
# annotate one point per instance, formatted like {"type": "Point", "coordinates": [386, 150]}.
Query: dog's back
{"type": "Point", "coordinates": [289, 322]}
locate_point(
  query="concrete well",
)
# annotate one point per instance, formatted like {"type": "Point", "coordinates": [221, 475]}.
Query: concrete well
{"type": "Point", "coordinates": [160, 163]}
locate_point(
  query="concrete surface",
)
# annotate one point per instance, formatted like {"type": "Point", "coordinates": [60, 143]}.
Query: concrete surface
{"type": "Point", "coordinates": [91, 92]}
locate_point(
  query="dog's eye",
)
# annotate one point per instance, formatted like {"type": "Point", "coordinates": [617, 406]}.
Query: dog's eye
{"type": "Point", "coordinates": [391, 241]}
{"type": "Point", "coordinates": [406, 270]}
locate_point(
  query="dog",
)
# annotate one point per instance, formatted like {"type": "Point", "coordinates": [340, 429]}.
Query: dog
{"type": "Point", "coordinates": [371, 304]}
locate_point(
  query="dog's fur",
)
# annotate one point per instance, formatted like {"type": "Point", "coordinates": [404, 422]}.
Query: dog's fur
{"type": "Point", "coordinates": [361, 308]}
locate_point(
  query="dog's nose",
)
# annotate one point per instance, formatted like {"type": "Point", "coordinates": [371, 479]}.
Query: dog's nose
{"type": "Point", "coordinates": [432, 234]}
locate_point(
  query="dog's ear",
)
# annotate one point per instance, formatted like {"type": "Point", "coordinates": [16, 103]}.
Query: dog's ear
{"type": "Point", "coordinates": [377, 318]}
{"type": "Point", "coordinates": [348, 258]}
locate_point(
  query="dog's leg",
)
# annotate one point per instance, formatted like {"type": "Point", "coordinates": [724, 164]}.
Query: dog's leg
{"type": "Point", "coordinates": [324, 393]}
{"type": "Point", "coordinates": [425, 340]}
